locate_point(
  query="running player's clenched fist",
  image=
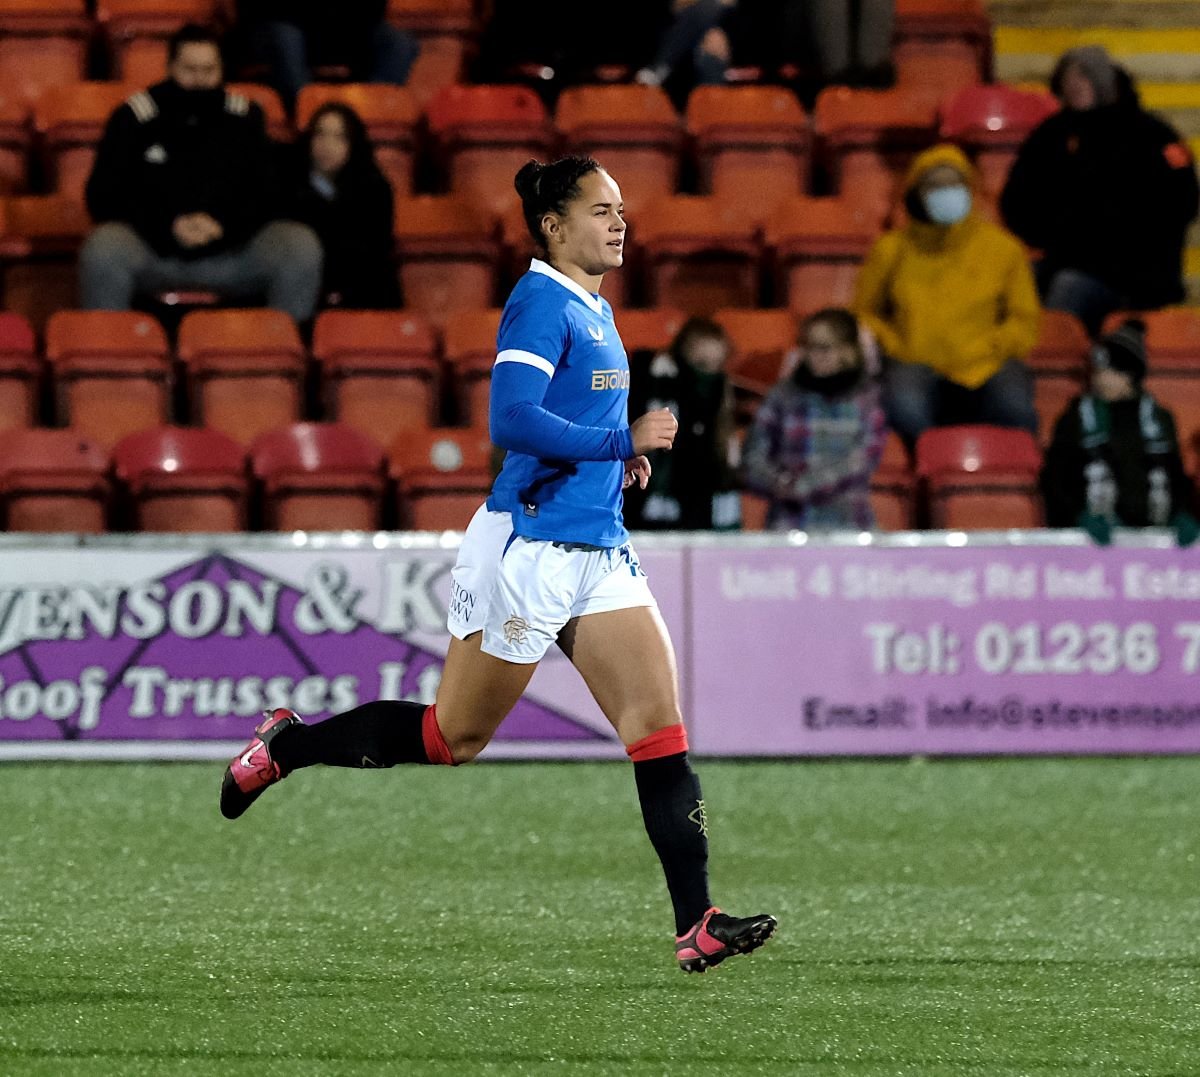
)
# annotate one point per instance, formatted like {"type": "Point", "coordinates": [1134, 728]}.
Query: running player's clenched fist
{"type": "Point", "coordinates": [654, 430]}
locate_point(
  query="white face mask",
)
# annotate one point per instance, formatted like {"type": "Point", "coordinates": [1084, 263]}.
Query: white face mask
{"type": "Point", "coordinates": [948, 205]}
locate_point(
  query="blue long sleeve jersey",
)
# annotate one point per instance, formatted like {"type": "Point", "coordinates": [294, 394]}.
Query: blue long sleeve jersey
{"type": "Point", "coordinates": [559, 405]}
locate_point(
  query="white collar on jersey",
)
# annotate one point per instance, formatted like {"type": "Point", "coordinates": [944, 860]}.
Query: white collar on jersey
{"type": "Point", "coordinates": [547, 270]}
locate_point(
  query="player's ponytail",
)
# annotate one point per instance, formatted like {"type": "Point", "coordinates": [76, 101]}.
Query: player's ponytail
{"type": "Point", "coordinates": [549, 188]}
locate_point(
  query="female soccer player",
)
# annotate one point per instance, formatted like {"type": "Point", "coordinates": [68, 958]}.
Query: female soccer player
{"type": "Point", "coordinates": [547, 560]}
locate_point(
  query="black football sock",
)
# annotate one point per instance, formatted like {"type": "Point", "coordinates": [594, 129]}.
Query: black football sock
{"type": "Point", "coordinates": [379, 734]}
{"type": "Point", "coordinates": [673, 810]}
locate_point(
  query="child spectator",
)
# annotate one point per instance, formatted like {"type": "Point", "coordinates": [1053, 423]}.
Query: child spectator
{"type": "Point", "coordinates": [338, 190]}
{"type": "Point", "coordinates": [817, 438]}
{"type": "Point", "coordinates": [951, 299]}
{"type": "Point", "coordinates": [693, 487]}
{"type": "Point", "coordinates": [1115, 460]}
{"type": "Point", "coordinates": [1106, 191]}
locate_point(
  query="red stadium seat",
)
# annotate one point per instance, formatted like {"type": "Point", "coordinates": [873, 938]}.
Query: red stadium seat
{"type": "Point", "coordinates": [870, 137]}
{"type": "Point", "coordinates": [1173, 353]}
{"type": "Point", "coordinates": [469, 343]}
{"type": "Point", "coordinates": [701, 253]}
{"type": "Point", "coordinates": [379, 370]}
{"type": "Point", "coordinates": [448, 253]}
{"type": "Point", "coordinates": [761, 340]}
{"type": "Point", "coordinates": [445, 29]}
{"type": "Point", "coordinates": [268, 100]}
{"type": "Point", "coordinates": [319, 477]}
{"type": "Point", "coordinates": [20, 373]}
{"type": "Point", "coordinates": [137, 33]}
{"type": "Point", "coordinates": [244, 368]}
{"type": "Point", "coordinates": [43, 43]}
{"type": "Point", "coordinates": [980, 477]}
{"type": "Point", "coordinates": [894, 488]}
{"type": "Point", "coordinates": [991, 122]}
{"type": "Point", "coordinates": [70, 120]}
{"type": "Point", "coordinates": [14, 141]}
{"type": "Point", "coordinates": [1059, 365]}
{"type": "Point", "coordinates": [633, 130]}
{"type": "Point", "coordinates": [484, 135]}
{"type": "Point", "coordinates": [40, 236]}
{"type": "Point", "coordinates": [752, 143]}
{"type": "Point", "coordinates": [442, 474]}
{"type": "Point", "coordinates": [650, 330]}
{"type": "Point", "coordinates": [182, 478]}
{"type": "Point", "coordinates": [391, 115]}
{"type": "Point", "coordinates": [112, 372]}
{"type": "Point", "coordinates": [818, 246]}
{"type": "Point", "coordinates": [52, 480]}
{"type": "Point", "coordinates": [942, 43]}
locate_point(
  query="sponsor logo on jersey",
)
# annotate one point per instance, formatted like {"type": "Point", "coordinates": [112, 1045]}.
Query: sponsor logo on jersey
{"type": "Point", "coordinates": [610, 379]}
{"type": "Point", "coordinates": [515, 629]}
{"type": "Point", "coordinates": [596, 332]}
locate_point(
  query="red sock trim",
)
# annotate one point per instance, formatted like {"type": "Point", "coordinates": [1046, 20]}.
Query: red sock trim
{"type": "Point", "coordinates": [436, 748]}
{"type": "Point", "coordinates": [660, 743]}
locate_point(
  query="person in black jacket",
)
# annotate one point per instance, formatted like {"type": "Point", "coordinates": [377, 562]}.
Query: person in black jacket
{"type": "Point", "coordinates": [1115, 459]}
{"type": "Point", "coordinates": [1106, 191]}
{"type": "Point", "coordinates": [182, 191]}
{"type": "Point", "coordinates": [293, 35]}
{"type": "Point", "coordinates": [339, 192]}
{"type": "Point", "coordinates": [693, 487]}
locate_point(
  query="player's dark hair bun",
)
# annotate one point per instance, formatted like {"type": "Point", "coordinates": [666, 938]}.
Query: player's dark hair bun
{"type": "Point", "coordinates": [548, 188]}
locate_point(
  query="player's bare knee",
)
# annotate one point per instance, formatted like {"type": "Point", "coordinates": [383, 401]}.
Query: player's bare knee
{"type": "Point", "coordinates": [642, 720]}
{"type": "Point", "coordinates": [466, 746]}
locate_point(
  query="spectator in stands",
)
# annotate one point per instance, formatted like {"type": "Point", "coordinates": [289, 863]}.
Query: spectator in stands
{"type": "Point", "coordinates": [951, 299]}
{"type": "Point", "coordinates": [1106, 190]}
{"type": "Point", "coordinates": [1115, 460]}
{"type": "Point", "coordinates": [818, 436]}
{"type": "Point", "coordinates": [291, 36]}
{"type": "Point", "coordinates": [182, 190]}
{"type": "Point", "coordinates": [693, 487]}
{"type": "Point", "coordinates": [338, 190]}
{"type": "Point", "coordinates": [853, 40]}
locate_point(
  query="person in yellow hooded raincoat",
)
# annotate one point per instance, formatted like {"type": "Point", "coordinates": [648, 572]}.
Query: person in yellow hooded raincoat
{"type": "Point", "coordinates": [951, 298]}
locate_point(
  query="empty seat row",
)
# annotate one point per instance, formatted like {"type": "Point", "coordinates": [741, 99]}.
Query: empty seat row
{"type": "Point", "coordinates": [305, 476]}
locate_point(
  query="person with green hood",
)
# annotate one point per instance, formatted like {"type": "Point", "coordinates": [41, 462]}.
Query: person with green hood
{"type": "Point", "coordinates": [951, 299]}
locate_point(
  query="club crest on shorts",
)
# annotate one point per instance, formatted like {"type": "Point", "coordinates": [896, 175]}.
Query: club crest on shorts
{"type": "Point", "coordinates": [515, 629]}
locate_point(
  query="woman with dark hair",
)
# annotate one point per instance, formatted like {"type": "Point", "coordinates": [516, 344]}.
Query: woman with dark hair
{"type": "Point", "coordinates": [693, 489]}
{"type": "Point", "coordinates": [338, 190]}
{"type": "Point", "coordinates": [818, 436]}
{"type": "Point", "coordinates": [547, 560]}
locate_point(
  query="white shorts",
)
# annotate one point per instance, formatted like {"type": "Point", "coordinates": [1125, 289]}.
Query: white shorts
{"type": "Point", "coordinates": [520, 592]}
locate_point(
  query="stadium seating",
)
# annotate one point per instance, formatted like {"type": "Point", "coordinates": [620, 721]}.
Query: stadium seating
{"type": "Point", "coordinates": [319, 477]}
{"type": "Point", "coordinates": [1059, 365]}
{"type": "Point", "coordinates": [761, 339]}
{"type": "Point", "coordinates": [448, 254]}
{"type": "Point", "coordinates": [444, 29]}
{"type": "Point", "coordinates": [1173, 354]}
{"type": "Point", "coordinates": [69, 120]}
{"type": "Point", "coordinates": [942, 44]}
{"type": "Point", "coordinates": [182, 478]}
{"type": "Point", "coordinates": [391, 115]}
{"type": "Point", "coordinates": [750, 139]}
{"type": "Point", "coordinates": [650, 330]}
{"type": "Point", "coordinates": [469, 344]}
{"type": "Point", "coordinates": [244, 370]}
{"type": "Point", "coordinates": [112, 372]}
{"type": "Point", "coordinates": [484, 134]}
{"type": "Point", "coordinates": [894, 488]}
{"type": "Point", "coordinates": [633, 130]}
{"type": "Point", "coordinates": [40, 237]}
{"type": "Point", "coordinates": [442, 475]}
{"type": "Point", "coordinates": [52, 480]}
{"type": "Point", "coordinates": [817, 248]}
{"type": "Point", "coordinates": [980, 478]}
{"type": "Point", "coordinates": [700, 252]}
{"type": "Point", "coordinates": [43, 43]}
{"type": "Point", "coordinates": [137, 30]}
{"type": "Point", "coordinates": [20, 373]}
{"type": "Point", "coordinates": [379, 370]}
{"type": "Point", "coordinates": [869, 138]}
{"type": "Point", "coordinates": [14, 141]}
{"type": "Point", "coordinates": [991, 122]}
{"type": "Point", "coordinates": [269, 101]}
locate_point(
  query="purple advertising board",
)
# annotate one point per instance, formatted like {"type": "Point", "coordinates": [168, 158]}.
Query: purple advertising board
{"type": "Point", "coordinates": [941, 650]}
{"type": "Point", "coordinates": [175, 646]}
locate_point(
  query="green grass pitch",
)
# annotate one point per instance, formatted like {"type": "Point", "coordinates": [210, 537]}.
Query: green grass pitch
{"type": "Point", "coordinates": [991, 918]}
